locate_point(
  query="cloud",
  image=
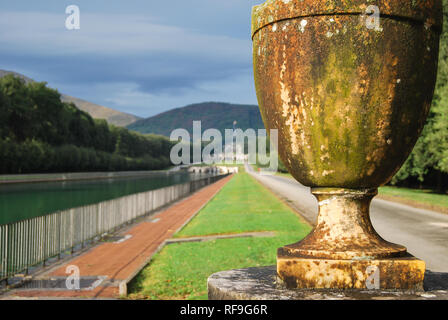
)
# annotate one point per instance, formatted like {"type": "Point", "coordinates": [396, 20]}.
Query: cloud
{"type": "Point", "coordinates": [239, 89]}
{"type": "Point", "coordinates": [111, 34]}
{"type": "Point", "coordinates": [133, 61]}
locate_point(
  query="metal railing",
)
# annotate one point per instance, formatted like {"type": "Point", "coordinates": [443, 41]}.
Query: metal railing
{"type": "Point", "coordinates": [30, 242]}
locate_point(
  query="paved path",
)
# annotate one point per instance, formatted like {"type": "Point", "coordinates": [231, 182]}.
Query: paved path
{"type": "Point", "coordinates": [423, 232]}
{"type": "Point", "coordinates": [121, 261]}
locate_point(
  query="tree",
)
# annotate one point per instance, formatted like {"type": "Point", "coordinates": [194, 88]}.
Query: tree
{"type": "Point", "coordinates": [17, 107]}
{"type": "Point", "coordinates": [47, 106]}
{"type": "Point", "coordinates": [40, 133]}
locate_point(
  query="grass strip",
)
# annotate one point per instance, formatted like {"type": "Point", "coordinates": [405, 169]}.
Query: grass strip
{"type": "Point", "coordinates": [180, 271]}
{"type": "Point", "coordinates": [427, 197]}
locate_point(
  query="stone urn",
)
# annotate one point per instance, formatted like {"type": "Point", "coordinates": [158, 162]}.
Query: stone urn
{"type": "Point", "coordinates": [349, 95]}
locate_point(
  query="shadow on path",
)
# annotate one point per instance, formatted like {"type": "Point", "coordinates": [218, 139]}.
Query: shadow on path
{"type": "Point", "coordinates": [435, 281]}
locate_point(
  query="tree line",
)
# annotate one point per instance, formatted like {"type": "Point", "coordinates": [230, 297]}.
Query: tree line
{"type": "Point", "coordinates": [428, 164]}
{"type": "Point", "coordinates": [40, 133]}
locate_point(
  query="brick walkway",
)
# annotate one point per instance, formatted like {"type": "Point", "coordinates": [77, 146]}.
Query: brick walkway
{"type": "Point", "coordinates": [120, 262]}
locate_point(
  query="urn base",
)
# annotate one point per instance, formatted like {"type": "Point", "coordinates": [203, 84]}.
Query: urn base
{"type": "Point", "coordinates": [401, 273]}
{"type": "Point", "coordinates": [262, 283]}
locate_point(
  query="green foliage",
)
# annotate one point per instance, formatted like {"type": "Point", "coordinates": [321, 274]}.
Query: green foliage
{"type": "Point", "coordinates": [33, 156]}
{"type": "Point", "coordinates": [40, 133]}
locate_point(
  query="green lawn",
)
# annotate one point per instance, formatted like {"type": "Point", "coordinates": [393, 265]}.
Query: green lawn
{"type": "Point", "coordinates": [423, 196]}
{"type": "Point", "coordinates": [180, 271]}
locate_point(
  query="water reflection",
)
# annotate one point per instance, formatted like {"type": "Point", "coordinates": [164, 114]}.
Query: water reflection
{"type": "Point", "coordinates": [22, 201]}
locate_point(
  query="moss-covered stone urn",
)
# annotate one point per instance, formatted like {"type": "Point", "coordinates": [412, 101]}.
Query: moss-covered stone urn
{"type": "Point", "coordinates": [348, 84]}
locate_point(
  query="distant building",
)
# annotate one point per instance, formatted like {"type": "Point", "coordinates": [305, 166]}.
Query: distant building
{"type": "Point", "coordinates": [227, 169]}
{"type": "Point", "coordinates": [213, 169]}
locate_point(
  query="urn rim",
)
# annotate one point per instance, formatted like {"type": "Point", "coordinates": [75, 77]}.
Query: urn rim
{"type": "Point", "coordinates": [429, 12]}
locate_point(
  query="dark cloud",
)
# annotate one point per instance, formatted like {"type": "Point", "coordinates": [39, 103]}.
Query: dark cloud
{"type": "Point", "coordinates": [134, 53]}
{"type": "Point", "coordinates": [154, 74]}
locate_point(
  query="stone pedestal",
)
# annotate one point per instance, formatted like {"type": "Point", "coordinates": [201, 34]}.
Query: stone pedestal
{"type": "Point", "coordinates": [406, 273]}
{"type": "Point", "coordinates": [263, 284]}
{"type": "Point", "coordinates": [345, 252]}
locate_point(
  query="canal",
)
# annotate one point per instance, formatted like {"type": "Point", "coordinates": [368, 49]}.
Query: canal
{"type": "Point", "coordinates": [27, 200]}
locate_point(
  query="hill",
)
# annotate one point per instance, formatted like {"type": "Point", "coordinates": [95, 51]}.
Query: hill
{"type": "Point", "coordinates": [120, 119]}
{"type": "Point", "coordinates": [112, 116]}
{"type": "Point", "coordinates": [216, 115]}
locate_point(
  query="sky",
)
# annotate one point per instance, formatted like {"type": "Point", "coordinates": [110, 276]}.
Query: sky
{"type": "Point", "coordinates": [142, 57]}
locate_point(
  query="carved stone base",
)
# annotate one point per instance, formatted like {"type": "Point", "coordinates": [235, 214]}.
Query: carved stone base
{"type": "Point", "coordinates": [262, 284]}
{"type": "Point", "coordinates": [404, 273]}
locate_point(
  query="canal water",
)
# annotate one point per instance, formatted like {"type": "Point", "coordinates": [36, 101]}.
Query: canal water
{"type": "Point", "coordinates": [27, 200]}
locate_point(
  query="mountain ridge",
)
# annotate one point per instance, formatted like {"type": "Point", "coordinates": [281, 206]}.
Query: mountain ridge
{"type": "Point", "coordinates": [216, 115]}
{"type": "Point", "coordinates": [112, 116]}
